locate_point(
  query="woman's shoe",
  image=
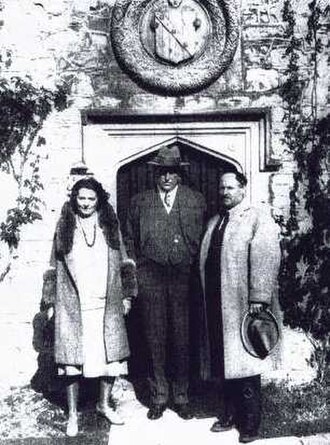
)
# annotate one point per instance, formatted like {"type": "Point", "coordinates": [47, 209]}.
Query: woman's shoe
{"type": "Point", "coordinates": [72, 426]}
{"type": "Point", "coordinates": [248, 437]}
{"type": "Point", "coordinates": [110, 414]}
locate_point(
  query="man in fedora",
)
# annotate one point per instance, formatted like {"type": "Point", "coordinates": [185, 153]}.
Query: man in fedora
{"type": "Point", "coordinates": [164, 230]}
{"type": "Point", "coordinates": [239, 263]}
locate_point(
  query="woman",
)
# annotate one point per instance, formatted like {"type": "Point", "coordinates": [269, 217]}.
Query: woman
{"type": "Point", "coordinates": [94, 286]}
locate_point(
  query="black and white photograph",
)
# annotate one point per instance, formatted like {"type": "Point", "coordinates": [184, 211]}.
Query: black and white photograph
{"type": "Point", "coordinates": [164, 222]}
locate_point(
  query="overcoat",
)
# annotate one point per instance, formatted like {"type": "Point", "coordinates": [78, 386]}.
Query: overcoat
{"type": "Point", "coordinates": [250, 260]}
{"type": "Point", "coordinates": [68, 322]}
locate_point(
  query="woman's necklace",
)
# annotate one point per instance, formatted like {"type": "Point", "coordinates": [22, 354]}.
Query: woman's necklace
{"type": "Point", "coordinates": [89, 244]}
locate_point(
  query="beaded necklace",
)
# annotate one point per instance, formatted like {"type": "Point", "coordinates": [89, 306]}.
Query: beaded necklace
{"type": "Point", "coordinates": [89, 244]}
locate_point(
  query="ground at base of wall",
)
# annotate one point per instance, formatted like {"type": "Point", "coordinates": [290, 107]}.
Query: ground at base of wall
{"type": "Point", "coordinates": [301, 410]}
{"type": "Point", "coordinates": [295, 411]}
{"type": "Point", "coordinates": [27, 414]}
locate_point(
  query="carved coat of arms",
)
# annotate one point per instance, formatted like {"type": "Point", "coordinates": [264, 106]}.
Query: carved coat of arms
{"type": "Point", "coordinates": [174, 47]}
{"type": "Point", "coordinates": [180, 30]}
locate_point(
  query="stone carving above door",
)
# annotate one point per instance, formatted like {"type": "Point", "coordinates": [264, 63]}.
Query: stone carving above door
{"type": "Point", "coordinates": [175, 31]}
{"type": "Point", "coordinates": [174, 47]}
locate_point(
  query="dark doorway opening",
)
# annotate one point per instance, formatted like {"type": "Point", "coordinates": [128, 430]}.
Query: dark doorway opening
{"type": "Point", "coordinates": [202, 174]}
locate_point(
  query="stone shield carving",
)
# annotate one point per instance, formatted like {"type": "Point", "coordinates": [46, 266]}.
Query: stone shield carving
{"type": "Point", "coordinates": [174, 47]}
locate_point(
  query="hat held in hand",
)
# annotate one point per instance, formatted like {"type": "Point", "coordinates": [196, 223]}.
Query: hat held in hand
{"type": "Point", "coordinates": [260, 333]}
{"type": "Point", "coordinates": [168, 156]}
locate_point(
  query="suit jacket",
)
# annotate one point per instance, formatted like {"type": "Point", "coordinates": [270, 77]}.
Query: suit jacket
{"type": "Point", "coordinates": [143, 218]}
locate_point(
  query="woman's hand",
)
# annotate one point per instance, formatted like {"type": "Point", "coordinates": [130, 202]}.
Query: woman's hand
{"type": "Point", "coordinates": [127, 303]}
{"type": "Point", "coordinates": [50, 312]}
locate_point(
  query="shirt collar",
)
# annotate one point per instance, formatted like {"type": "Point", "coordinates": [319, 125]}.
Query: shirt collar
{"type": "Point", "coordinates": [171, 194]}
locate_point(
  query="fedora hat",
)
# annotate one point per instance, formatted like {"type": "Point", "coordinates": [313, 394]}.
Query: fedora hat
{"type": "Point", "coordinates": [260, 333]}
{"type": "Point", "coordinates": [168, 156]}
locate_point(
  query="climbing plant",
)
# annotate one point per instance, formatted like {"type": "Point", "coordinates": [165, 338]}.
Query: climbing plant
{"type": "Point", "coordinates": [305, 273]}
{"type": "Point", "coordinates": [24, 109]}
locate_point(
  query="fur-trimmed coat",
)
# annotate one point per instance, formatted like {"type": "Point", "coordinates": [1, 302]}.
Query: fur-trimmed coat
{"type": "Point", "coordinates": [121, 283]}
{"type": "Point", "coordinates": [250, 260]}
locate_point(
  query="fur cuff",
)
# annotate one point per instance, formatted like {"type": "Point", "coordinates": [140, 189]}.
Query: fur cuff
{"type": "Point", "coordinates": [128, 278]}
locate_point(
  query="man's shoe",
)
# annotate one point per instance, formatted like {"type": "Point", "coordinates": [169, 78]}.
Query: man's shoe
{"type": "Point", "coordinates": [223, 425]}
{"type": "Point", "coordinates": [156, 411]}
{"type": "Point", "coordinates": [248, 437]}
{"type": "Point", "coordinates": [183, 410]}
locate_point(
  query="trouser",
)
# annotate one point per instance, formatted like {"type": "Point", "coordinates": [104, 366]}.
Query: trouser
{"type": "Point", "coordinates": [163, 292]}
{"type": "Point", "coordinates": [242, 402]}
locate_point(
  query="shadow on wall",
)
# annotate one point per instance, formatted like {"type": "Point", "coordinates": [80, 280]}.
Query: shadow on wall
{"type": "Point", "coordinates": [45, 380]}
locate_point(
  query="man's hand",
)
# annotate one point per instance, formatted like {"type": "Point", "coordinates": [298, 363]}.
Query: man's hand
{"type": "Point", "coordinates": [127, 303]}
{"type": "Point", "coordinates": [255, 308]}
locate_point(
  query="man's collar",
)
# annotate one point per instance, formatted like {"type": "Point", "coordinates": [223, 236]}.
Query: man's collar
{"type": "Point", "coordinates": [171, 192]}
{"type": "Point", "coordinates": [243, 205]}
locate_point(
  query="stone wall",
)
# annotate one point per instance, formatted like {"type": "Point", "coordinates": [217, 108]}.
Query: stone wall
{"type": "Point", "coordinates": [68, 41]}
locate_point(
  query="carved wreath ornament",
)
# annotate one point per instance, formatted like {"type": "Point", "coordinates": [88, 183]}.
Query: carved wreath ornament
{"type": "Point", "coordinates": [174, 47]}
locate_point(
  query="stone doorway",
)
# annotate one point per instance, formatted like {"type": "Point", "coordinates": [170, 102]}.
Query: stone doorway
{"type": "Point", "coordinates": [116, 149]}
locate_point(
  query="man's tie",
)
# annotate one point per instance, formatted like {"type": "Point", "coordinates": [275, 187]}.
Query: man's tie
{"type": "Point", "coordinates": [222, 228]}
{"type": "Point", "coordinates": [219, 230]}
{"type": "Point", "coordinates": [167, 199]}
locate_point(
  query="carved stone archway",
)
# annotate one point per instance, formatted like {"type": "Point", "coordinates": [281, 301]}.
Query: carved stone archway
{"type": "Point", "coordinates": [111, 142]}
{"type": "Point", "coordinates": [172, 58]}
{"type": "Point", "coordinates": [117, 147]}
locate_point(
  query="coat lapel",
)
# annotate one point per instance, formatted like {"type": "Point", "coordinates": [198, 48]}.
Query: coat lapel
{"type": "Point", "coordinates": [68, 264]}
{"type": "Point", "coordinates": [205, 247]}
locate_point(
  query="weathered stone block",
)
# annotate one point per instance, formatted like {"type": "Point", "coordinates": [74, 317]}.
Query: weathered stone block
{"type": "Point", "coordinates": [258, 79]}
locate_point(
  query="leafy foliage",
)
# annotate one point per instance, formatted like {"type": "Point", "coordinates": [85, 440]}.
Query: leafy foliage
{"type": "Point", "coordinates": [24, 109]}
{"type": "Point", "coordinates": [299, 410]}
{"type": "Point", "coordinates": [304, 278]}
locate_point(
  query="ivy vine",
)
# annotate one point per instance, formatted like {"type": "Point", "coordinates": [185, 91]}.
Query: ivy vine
{"type": "Point", "coordinates": [24, 109]}
{"type": "Point", "coordinates": [304, 278]}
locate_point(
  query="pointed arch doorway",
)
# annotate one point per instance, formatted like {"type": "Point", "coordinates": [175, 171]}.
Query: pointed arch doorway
{"type": "Point", "coordinates": [116, 148]}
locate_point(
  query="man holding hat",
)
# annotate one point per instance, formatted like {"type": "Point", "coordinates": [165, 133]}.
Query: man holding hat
{"type": "Point", "coordinates": [239, 263]}
{"type": "Point", "coordinates": [164, 230]}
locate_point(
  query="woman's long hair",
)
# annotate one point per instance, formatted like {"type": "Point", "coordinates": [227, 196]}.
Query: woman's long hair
{"type": "Point", "coordinates": [106, 216]}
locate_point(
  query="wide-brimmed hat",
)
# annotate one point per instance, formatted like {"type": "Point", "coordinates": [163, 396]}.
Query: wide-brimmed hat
{"type": "Point", "coordinates": [260, 333]}
{"type": "Point", "coordinates": [168, 156]}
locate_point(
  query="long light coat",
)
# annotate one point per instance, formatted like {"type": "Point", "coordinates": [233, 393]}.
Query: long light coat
{"type": "Point", "coordinates": [68, 322]}
{"type": "Point", "coordinates": [250, 260]}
